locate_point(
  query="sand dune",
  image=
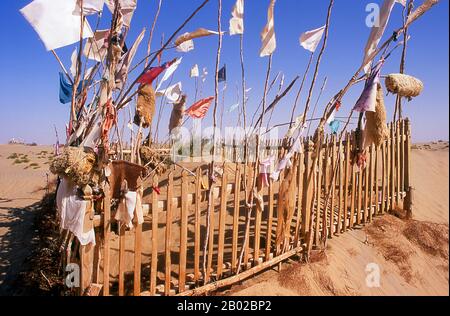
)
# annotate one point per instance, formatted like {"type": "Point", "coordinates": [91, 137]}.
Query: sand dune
{"type": "Point", "coordinates": [23, 175]}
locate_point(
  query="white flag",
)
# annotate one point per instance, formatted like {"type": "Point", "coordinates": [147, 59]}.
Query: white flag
{"type": "Point", "coordinates": [268, 38]}
{"type": "Point", "coordinates": [194, 71]}
{"type": "Point", "coordinates": [295, 126]}
{"type": "Point", "coordinates": [74, 60]}
{"type": "Point", "coordinates": [205, 74]}
{"type": "Point", "coordinates": [331, 118]}
{"type": "Point", "coordinates": [233, 107]}
{"type": "Point", "coordinates": [172, 93]}
{"type": "Point", "coordinates": [55, 22]}
{"type": "Point", "coordinates": [201, 32]}
{"type": "Point", "coordinates": [377, 33]}
{"type": "Point", "coordinates": [169, 72]}
{"type": "Point", "coordinates": [237, 20]}
{"type": "Point", "coordinates": [127, 8]}
{"type": "Point", "coordinates": [96, 47]}
{"type": "Point", "coordinates": [311, 39]}
{"type": "Point", "coordinates": [89, 7]}
{"type": "Point", "coordinates": [186, 46]}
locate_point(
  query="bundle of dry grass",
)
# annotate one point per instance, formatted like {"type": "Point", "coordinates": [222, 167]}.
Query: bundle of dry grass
{"type": "Point", "coordinates": [176, 118]}
{"type": "Point", "coordinates": [154, 159]}
{"type": "Point", "coordinates": [404, 85]}
{"type": "Point", "coordinates": [145, 106]}
{"type": "Point", "coordinates": [76, 164]}
{"type": "Point", "coordinates": [286, 207]}
{"type": "Point", "coordinates": [376, 130]}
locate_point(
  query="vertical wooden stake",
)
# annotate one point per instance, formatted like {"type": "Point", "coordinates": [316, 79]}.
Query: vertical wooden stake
{"type": "Point", "coordinates": [106, 232]}
{"type": "Point", "coordinates": [346, 171]}
{"type": "Point", "coordinates": [300, 198]}
{"type": "Point", "coordinates": [198, 209]}
{"type": "Point", "coordinates": [341, 178]}
{"type": "Point", "coordinates": [154, 262]}
{"type": "Point", "coordinates": [168, 241]}
{"type": "Point", "coordinates": [392, 173]}
{"type": "Point", "coordinates": [183, 231]}
{"type": "Point", "coordinates": [137, 257]}
{"type": "Point", "coordinates": [237, 207]}
{"type": "Point", "coordinates": [318, 196]}
{"type": "Point", "coordinates": [222, 219]}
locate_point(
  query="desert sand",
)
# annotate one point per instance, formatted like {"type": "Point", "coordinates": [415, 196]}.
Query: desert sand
{"type": "Point", "coordinates": [23, 178]}
{"type": "Point", "coordinates": [412, 255]}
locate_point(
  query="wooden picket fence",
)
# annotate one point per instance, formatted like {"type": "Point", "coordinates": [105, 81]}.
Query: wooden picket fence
{"type": "Point", "coordinates": [165, 255]}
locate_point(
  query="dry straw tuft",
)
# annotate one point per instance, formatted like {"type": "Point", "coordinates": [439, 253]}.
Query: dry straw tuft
{"type": "Point", "coordinates": [376, 130]}
{"type": "Point", "coordinates": [176, 118]}
{"type": "Point", "coordinates": [75, 164]}
{"type": "Point", "coordinates": [154, 159]}
{"type": "Point", "coordinates": [145, 106]}
{"type": "Point", "coordinates": [404, 85]}
{"type": "Point", "coordinates": [286, 207]}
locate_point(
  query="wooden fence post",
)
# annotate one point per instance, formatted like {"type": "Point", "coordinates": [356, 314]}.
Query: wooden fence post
{"type": "Point", "coordinates": [198, 210]}
{"type": "Point", "coordinates": [307, 193]}
{"type": "Point", "coordinates": [183, 231]}
{"type": "Point", "coordinates": [407, 181]}
{"type": "Point", "coordinates": [236, 211]}
{"type": "Point", "coordinates": [168, 241]}
{"type": "Point", "coordinates": [222, 218]}
{"type": "Point", "coordinates": [155, 213]}
{"type": "Point", "coordinates": [106, 236]}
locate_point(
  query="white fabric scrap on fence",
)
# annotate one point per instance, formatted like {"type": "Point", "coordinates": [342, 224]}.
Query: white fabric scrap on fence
{"type": "Point", "coordinates": [72, 210]}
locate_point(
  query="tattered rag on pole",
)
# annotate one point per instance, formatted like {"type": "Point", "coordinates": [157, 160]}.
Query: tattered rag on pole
{"type": "Point", "coordinates": [268, 38]}
{"type": "Point", "coordinates": [311, 39]}
{"type": "Point", "coordinates": [237, 18]}
{"type": "Point", "coordinates": [367, 100]}
{"type": "Point", "coordinates": [55, 22]}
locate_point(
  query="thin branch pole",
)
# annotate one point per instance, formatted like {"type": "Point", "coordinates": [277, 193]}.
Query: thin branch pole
{"type": "Point", "coordinates": [319, 58]}
{"type": "Point", "coordinates": [276, 100]}
{"type": "Point", "coordinates": [408, 10]}
{"type": "Point", "coordinates": [244, 113]}
{"type": "Point", "coordinates": [149, 45]}
{"type": "Point", "coordinates": [260, 103]}
{"type": "Point", "coordinates": [249, 204]}
{"type": "Point", "coordinates": [123, 96]}
{"type": "Point", "coordinates": [196, 90]}
{"type": "Point", "coordinates": [297, 98]}
{"type": "Point", "coordinates": [317, 102]}
{"type": "Point", "coordinates": [280, 87]}
{"type": "Point", "coordinates": [62, 66]}
{"type": "Point", "coordinates": [156, 135]}
{"type": "Point", "coordinates": [99, 16]}
{"type": "Point", "coordinates": [222, 106]}
{"type": "Point", "coordinates": [210, 210]}
{"type": "Point", "coordinates": [161, 109]}
{"type": "Point", "coordinates": [73, 115]}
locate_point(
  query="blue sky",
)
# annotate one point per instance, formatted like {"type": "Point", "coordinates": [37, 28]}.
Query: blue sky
{"type": "Point", "coordinates": [29, 104]}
